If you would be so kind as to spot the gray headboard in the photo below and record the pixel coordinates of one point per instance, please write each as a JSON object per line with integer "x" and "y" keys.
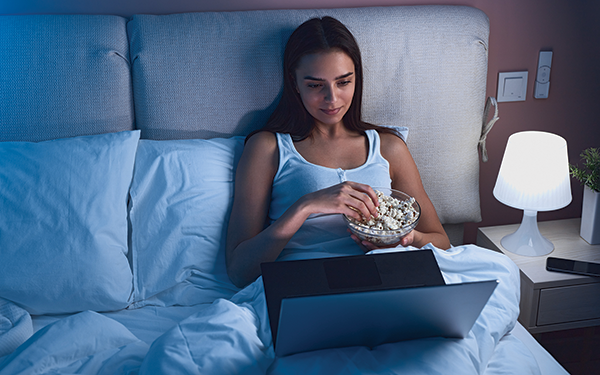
{"x": 203, "y": 75}
{"x": 62, "y": 76}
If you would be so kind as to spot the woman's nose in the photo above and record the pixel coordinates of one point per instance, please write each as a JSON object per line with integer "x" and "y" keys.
{"x": 330, "y": 95}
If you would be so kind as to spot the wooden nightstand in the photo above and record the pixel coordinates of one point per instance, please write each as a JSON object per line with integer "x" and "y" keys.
{"x": 552, "y": 301}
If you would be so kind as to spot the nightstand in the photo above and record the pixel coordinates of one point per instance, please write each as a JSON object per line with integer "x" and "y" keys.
{"x": 552, "y": 301}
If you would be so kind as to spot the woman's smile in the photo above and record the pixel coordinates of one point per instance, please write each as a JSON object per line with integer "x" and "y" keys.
{"x": 331, "y": 112}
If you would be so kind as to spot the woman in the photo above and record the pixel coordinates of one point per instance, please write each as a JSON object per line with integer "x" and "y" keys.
{"x": 316, "y": 157}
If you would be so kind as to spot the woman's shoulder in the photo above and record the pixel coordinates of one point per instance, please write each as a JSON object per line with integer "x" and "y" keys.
{"x": 391, "y": 143}
{"x": 262, "y": 146}
{"x": 262, "y": 140}
{"x": 260, "y": 153}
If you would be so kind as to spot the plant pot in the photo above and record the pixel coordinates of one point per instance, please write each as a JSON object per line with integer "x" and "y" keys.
{"x": 590, "y": 216}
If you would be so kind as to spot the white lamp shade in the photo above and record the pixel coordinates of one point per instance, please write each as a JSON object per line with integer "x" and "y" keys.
{"x": 534, "y": 174}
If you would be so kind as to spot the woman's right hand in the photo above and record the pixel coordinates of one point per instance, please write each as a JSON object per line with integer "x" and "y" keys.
{"x": 353, "y": 199}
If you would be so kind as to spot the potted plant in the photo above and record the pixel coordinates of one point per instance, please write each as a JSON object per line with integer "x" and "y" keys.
{"x": 589, "y": 176}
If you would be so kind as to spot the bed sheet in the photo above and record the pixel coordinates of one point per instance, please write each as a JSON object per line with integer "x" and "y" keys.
{"x": 232, "y": 336}
{"x": 147, "y": 323}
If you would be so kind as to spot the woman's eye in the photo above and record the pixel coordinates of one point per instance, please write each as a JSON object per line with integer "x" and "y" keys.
{"x": 313, "y": 85}
{"x": 344, "y": 83}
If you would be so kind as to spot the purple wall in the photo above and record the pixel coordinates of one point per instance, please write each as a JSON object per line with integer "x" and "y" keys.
{"x": 519, "y": 30}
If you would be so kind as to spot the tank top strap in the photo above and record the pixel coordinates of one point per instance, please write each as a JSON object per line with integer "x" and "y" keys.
{"x": 286, "y": 150}
{"x": 284, "y": 142}
{"x": 374, "y": 147}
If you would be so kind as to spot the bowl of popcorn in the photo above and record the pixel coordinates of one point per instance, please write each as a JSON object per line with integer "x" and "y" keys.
{"x": 398, "y": 214}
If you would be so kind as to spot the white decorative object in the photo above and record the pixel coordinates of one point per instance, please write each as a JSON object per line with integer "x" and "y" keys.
{"x": 534, "y": 176}
{"x": 590, "y": 216}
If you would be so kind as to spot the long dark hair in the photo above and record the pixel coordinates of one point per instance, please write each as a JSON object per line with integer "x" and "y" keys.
{"x": 314, "y": 36}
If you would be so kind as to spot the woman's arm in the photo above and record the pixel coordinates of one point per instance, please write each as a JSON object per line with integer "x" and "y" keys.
{"x": 249, "y": 243}
{"x": 254, "y": 177}
{"x": 405, "y": 177}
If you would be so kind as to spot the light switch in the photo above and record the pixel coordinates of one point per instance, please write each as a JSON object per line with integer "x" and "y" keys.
{"x": 512, "y": 86}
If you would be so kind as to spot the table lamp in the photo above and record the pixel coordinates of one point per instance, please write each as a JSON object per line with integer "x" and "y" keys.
{"x": 533, "y": 177}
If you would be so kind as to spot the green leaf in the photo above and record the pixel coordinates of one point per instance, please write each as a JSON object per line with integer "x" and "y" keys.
{"x": 590, "y": 174}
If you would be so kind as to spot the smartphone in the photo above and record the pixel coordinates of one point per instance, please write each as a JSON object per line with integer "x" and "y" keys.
{"x": 573, "y": 266}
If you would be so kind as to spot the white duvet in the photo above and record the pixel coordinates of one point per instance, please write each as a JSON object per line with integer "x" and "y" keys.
{"x": 233, "y": 337}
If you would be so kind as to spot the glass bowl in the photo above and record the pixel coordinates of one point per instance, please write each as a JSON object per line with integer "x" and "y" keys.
{"x": 386, "y": 236}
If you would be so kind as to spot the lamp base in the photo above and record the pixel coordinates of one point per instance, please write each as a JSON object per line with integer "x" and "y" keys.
{"x": 528, "y": 240}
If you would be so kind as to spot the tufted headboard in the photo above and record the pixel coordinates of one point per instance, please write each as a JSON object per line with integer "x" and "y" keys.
{"x": 218, "y": 74}
{"x": 62, "y": 76}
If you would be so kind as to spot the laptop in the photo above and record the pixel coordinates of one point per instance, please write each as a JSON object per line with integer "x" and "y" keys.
{"x": 367, "y": 300}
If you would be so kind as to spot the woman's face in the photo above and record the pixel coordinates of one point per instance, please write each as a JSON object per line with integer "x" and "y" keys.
{"x": 325, "y": 82}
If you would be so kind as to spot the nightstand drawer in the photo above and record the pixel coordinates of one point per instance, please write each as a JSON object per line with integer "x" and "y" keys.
{"x": 569, "y": 304}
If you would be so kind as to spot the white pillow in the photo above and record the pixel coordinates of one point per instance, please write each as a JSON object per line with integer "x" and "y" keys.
{"x": 63, "y": 223}
{"x": 181, "y": 198}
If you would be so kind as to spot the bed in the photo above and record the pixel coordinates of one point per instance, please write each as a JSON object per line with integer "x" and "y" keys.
{"x": 119, "y": 143}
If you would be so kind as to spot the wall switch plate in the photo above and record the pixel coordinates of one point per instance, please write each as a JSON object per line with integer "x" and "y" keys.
{"x": 512, "y": 87}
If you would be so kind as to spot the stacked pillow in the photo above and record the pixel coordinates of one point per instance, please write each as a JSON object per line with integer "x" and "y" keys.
{"x": 63, "y": 223}
{"x": 181, "y": 198}
{"x": 75, "y": 212}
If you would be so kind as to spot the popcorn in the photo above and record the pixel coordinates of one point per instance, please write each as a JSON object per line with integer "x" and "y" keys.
{"x": 395, "y": 218}
{"x": 393, "y": 214}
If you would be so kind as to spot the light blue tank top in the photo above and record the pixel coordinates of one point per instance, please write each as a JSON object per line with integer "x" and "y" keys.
{"x": 321, "y": 235}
